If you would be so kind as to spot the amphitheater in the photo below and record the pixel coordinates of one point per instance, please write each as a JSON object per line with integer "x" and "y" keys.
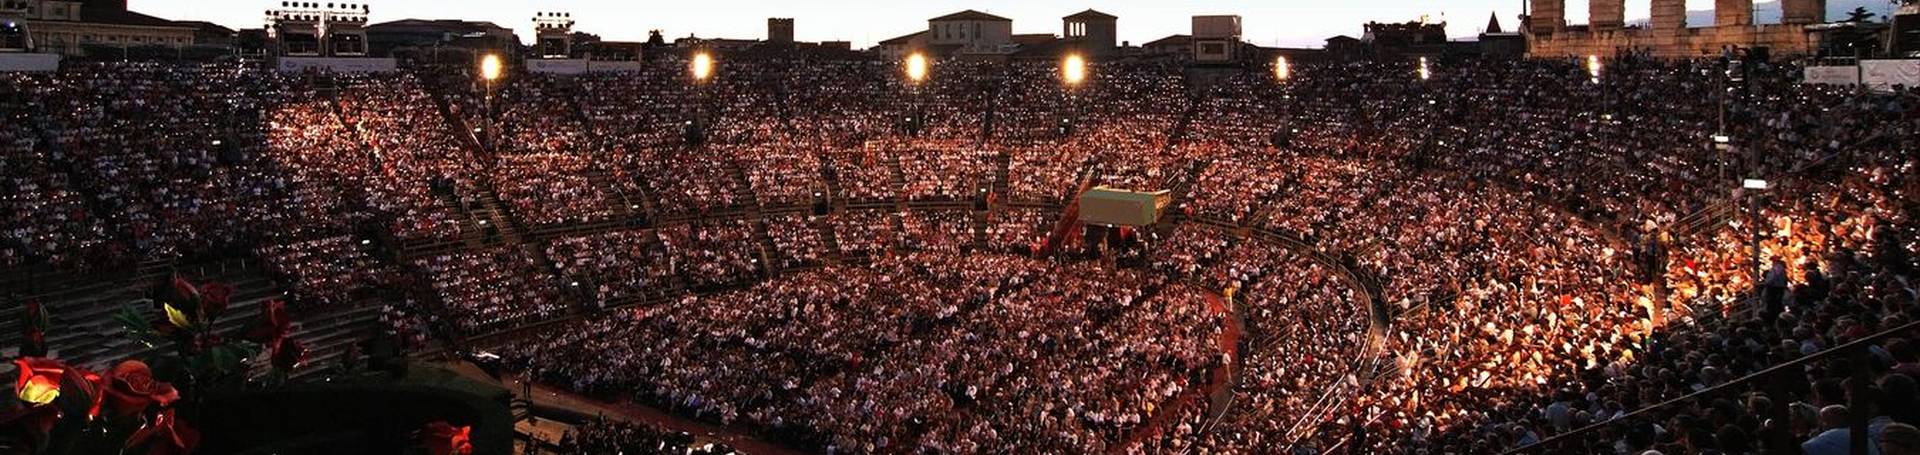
{"x": 797, "y": 255}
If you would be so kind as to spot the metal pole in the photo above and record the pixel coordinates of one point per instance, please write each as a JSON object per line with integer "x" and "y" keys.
{"x": 1720, "y": 87}
{"x": 490, "y": 116}
{"x": 1753, "y": 204}
{"x": 1753, "y": 158}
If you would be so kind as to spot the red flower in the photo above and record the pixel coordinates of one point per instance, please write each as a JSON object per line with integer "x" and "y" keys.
{"x": 131, "y": 388}
{"x": 166, "y": 435}
{"x": 84, "y": 388}
{"x": 39, "y": 380}
{"x": 288, "y": 354}
{"x": 214, "y": 298}
{"x": 445, "y": 439}
{"x": 182, "y": 291}
{"x": 272, "y": 326}
{"x": 48, "y": 390}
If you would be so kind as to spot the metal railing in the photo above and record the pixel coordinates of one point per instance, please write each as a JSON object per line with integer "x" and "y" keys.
{"x": 1579, "y": 436}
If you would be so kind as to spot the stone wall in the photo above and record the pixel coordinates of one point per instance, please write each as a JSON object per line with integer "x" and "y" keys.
{"x": 1668, "y": 34}
{"x": 1782, "y": 39}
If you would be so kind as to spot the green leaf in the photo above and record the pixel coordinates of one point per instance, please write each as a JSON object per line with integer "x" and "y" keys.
{"x": 226, "y": 358}
{"x": 131, "y": 320}
{"x": 137, "y": 326}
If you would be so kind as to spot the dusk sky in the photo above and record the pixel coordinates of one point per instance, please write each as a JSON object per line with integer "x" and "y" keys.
{"x": 1293, "y": 23}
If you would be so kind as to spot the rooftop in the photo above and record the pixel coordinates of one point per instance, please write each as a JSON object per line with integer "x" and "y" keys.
{"x": 970, "y": 15}
{"x": 1091, "y": 15}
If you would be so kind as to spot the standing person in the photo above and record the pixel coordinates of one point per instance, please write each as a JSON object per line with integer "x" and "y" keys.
{"x": 1900, "y": 439}
{"x": 1773, "y": 289}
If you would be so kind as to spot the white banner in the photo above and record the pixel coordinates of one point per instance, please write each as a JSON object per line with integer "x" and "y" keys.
{"x": 579, "y": 66}
{"x": 38, "y": 63}
{"x": 557, "y": 66}
{"x": 615, "y": 66}
{"x": 337, "y": 65}
{"x": 1884, "y": 74}
{"x": 1832, "y": 75}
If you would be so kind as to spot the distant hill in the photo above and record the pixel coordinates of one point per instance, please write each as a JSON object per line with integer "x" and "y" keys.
{"x": 1769, "y": 12}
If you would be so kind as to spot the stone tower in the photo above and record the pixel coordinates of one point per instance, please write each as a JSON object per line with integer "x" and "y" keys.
{"x": 1549, "y": 17}
{"x": 1669, "y": 15}
{"x": 1803, "y": 11}
{"x": 1606, "y": 15}
{"x": 1732, "y": 13}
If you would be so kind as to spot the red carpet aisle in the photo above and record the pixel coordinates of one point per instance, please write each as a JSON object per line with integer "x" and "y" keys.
{"x": 1197, "y": 396}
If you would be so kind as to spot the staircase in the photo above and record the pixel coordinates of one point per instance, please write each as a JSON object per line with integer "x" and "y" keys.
{"x": 829, "y": 240}
{"x": 84, "y": 330}
{"x": 488, "y": 211}
{"x": 738, "y": 174}
{"x": 462, "y": 130}
{"x": 980, "y": 226}
{"x": 763, "y": 239}
{"x": 891, "y": 159}
{"x": 628, "y": 208}
{"x": 1002, "y": 168}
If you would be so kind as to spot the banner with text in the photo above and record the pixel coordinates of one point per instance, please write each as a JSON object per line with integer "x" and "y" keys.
{"x": 579, "y": 66}
{"x": 1832, "y": 75}
{"x": 336, "y": 65}
{"x": 1885, "y": 74}
{"x": 37, "y": 63}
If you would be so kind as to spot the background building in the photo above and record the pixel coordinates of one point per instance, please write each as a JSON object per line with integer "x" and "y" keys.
{"x": 973, "y": 32}
{"x": 421, "y": 37}
{"x": 1667, "y": 34}
{"x": 780, "y": 31}
{"x": 75, "y": 28}
{"x": 1092, "y": 32}
{"x": 1216, "y": 39}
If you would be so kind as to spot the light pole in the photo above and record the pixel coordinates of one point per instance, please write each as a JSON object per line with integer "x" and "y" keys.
{"x": 1073, "y": 71}
{"x": 702, "y": 70}
{"x": 916, "y": 75}
{"x": 489, "y": 72}
{"x": 1754, "y": 187}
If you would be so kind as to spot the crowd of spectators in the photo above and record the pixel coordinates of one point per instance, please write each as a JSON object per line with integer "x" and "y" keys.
{"x": 1499, "y": 253}
{"x": 604, "y": 436}
{"x": 797, "y": 240}
{"x": 490, "y": 290}
{"x": 327, "y": 271}
{"x": 929, "y": 350}
{"x": 615, "y": 266}
{"x": 950, "y": 230}
{"x": 713, "y": 254}
{"x": 866, "y": 233}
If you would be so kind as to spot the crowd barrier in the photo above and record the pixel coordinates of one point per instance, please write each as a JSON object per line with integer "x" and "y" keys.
{"x": 337, "y": 65}
{"x": 1879, "y": 75}
{"x": 579, "y": 66}
{"x": 37, "y": 63}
